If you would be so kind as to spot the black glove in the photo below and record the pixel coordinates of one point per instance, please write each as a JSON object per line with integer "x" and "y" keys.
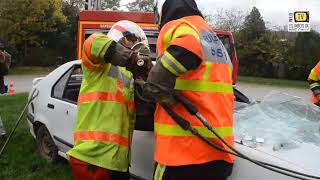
{"x": 154, "y": 92}
{"x": 161, "y": 94}
{"x": 316, "y": 92}
{"x": 118, "y": 55}
{"x": 139, "y": 66}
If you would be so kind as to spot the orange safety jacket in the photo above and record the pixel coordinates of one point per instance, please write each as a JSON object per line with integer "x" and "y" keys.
{"x": 314, "y": 79}
{"x": 105, "y": 119}
{"x": 209, "y": 87}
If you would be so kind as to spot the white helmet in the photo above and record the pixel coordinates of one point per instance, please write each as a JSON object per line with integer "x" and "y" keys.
{"x": 158, "y": 4}
{"x": 126, "y": 28}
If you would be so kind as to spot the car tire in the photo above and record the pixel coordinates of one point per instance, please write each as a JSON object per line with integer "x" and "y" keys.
{"x": 46, "y": 146}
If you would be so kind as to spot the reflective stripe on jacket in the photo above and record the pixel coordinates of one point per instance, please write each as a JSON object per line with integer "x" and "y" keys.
{"x": 209, "y": 87}
{"x": 105, "y": 118}
{"x": 314, "y": 78}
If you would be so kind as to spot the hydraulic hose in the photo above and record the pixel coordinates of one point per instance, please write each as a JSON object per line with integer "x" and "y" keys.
{"x": 186, "y": 126}
{"x": 34, "y": 94}
{"x": 194, "y": 111}
{"x": 139, "y": 95}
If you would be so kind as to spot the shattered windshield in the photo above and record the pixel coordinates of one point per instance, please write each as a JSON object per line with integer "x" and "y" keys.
{"x": 279, "y": 122}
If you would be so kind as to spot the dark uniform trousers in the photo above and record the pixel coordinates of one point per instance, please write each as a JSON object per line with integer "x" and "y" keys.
{"x": 215, "y": 170}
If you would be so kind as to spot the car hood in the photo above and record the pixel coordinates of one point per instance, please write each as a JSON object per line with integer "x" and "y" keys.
{"x": 282, "y": 126}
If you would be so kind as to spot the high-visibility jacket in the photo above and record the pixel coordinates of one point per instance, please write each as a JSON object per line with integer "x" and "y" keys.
{"x": 209, "y": 87}
{"x": 105, "y": 119}
{"x": 314, "y": 79}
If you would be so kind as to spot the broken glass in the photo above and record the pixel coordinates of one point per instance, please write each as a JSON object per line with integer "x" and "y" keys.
{"x": 280, "y": 121}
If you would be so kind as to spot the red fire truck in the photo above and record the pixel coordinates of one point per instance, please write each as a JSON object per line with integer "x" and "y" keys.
{"x": 91, "y": 21}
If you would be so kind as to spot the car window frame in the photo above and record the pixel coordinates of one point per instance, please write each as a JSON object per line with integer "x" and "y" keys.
{"x": 70, "y": 70}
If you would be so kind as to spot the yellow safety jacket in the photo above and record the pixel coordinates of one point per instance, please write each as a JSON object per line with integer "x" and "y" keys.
{"x": 105, "y": 120}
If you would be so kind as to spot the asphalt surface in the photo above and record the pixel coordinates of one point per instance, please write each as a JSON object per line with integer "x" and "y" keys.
{"x": 22, "y": 83}
{"x": 258, "y": 92}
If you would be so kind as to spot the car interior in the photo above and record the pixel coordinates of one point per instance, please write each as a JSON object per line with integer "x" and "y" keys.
{"x": 72, "y": 89}
{"x": 67, "y": 88}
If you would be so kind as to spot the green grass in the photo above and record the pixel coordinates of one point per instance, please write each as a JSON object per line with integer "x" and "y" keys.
{"x": 21, "y": 159}
{"x": 30, "y": 70}
{"x": 273, "y": 82}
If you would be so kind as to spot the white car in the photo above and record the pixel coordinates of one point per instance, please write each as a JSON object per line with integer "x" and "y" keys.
{"x": 52, "y": 114}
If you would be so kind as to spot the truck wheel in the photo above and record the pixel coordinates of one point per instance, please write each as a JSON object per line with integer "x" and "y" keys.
{"x": 46, "y": 146}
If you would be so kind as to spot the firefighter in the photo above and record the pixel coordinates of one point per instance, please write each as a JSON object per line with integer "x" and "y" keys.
{"x": 105, "y": 119}
{"x": 193, "y": 61}
{"x": 314, "y": 81}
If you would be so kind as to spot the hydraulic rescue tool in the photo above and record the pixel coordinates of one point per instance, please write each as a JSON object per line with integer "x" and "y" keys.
{"x": 34, "y": 94}
{"x": 183, "y": 123}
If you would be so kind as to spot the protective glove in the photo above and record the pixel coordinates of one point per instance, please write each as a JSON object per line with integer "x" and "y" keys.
{"x": 139, "y": 65}
{"x": 316, "y": 92}
{"x": 160, "y": 85}
{"x": 118, "y": 55}
{"x": 155, "y": 92}
{"x": 159, "y": 93}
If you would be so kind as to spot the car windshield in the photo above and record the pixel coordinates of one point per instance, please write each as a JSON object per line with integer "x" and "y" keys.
{"x": 279, "y": 120}
{"x": 284, "y": 126}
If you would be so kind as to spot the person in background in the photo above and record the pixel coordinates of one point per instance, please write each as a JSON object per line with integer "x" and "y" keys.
{"x": 5, "y": 61}
{"x": 314, "y": 82}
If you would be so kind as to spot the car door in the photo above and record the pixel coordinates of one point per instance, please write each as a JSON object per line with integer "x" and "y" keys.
{"x": 62, "y": 107}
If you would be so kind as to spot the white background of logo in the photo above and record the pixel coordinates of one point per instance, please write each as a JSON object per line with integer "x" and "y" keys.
{"x": 294, "y": 26}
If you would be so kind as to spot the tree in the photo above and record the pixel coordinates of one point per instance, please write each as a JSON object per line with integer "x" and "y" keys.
{"x": 141, "y": 5}
{"x": 66, "y": 36}
{"x": 229, "y": 20}
{"x": 254, "y": 46}
{"x": 254, "y": 26}
{"x": 75, "y": 3}
{"x": 105, "y": 4}
{"x": 208, "y": 17}
{"x": 304, "y": 55}
{"x": 23, "y": 22}
{"x": 110, "y": 4}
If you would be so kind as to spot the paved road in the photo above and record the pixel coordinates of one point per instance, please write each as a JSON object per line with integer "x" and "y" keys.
{"x": 22, "y": 83}
{"x": 257, "y": 92}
